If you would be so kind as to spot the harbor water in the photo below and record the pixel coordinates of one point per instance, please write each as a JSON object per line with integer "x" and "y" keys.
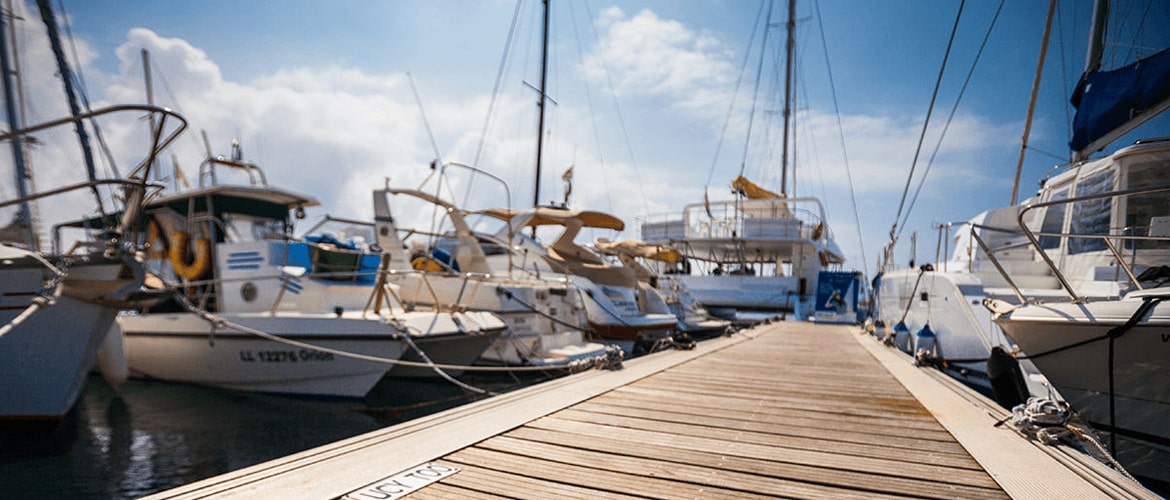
{"x": 152, "y": 436}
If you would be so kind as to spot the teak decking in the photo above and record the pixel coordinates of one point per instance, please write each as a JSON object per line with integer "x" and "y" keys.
{"x": 782, "y": 410}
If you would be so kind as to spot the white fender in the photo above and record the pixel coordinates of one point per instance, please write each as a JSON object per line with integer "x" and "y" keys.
{"x": 111, "y": 358}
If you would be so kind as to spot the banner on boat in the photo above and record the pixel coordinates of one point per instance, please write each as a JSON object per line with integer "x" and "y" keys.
{"x": 836, "y": 299}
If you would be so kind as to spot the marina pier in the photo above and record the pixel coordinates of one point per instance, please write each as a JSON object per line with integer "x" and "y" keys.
{"x": 786, "y": 409}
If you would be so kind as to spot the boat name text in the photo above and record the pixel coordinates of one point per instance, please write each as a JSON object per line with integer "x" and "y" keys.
{"x": 303, "y": 355}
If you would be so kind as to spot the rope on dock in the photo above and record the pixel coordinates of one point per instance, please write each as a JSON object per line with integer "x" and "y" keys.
{"x": 1050, "y": 422}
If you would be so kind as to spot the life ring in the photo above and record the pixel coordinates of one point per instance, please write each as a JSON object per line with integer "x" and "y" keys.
{"x": 185, "y": 267}
{"x": 156, "y": 243}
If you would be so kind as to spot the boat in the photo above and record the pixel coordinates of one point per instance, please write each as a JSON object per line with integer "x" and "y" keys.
{"x": 545, "y": 314}
{"x": 1079, "y": 268}
{"x": 621, "y": 310}
{"x": 934, "y": 312}
{"x": 760, "y": 254}
{"x": 56, "y": 306}
{"x": 244, "y": 305}
{"x": 1104, "y": 353}
{"x": 658, "y": 266}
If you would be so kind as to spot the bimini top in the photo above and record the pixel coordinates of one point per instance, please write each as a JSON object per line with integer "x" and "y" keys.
{"x": 638, "y": 248}
{"x": 549, "y": 216}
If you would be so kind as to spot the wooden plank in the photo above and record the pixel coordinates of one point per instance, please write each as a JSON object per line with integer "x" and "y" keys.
{"x": 584, "y": 431}
{"x": 333, "y": 470}
{"x": 494, "y": 483}
{"x": 780, "y": 434}
{"x": 1013, "y": 462}
{"x": 780, "y": 478}
{"x": 811, "y": 427}
{"x": 603, "y": 479}
{"x": 902, "y": 428}
{"x": 828, "y": 407}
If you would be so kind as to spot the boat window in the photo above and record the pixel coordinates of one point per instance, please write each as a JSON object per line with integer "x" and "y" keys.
{"x": 1053, "y": 221}
{"x": 1143, "y": 209}
{"x": 241, "y": 228}
{"x": 1091, "y": 216}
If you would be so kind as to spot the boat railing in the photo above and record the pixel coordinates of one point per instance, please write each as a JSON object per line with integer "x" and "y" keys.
{"x": 166, "y": 126}
{"x": 784, "y": 218}
{"x": 1107, "y": 239}
{"x": 976, "y": 231}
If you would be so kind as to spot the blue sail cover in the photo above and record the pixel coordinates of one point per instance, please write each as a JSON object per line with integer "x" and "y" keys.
{"x": 1106, "y": 100}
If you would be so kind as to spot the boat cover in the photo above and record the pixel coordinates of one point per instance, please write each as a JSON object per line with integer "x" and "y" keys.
{"x": 1107, "y": 100}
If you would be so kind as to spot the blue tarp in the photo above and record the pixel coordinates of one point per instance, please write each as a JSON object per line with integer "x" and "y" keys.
{"x": 1106, "y": 100}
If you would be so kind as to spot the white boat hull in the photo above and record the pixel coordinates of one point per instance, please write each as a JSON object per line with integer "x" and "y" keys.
{"x": 1141, "y": 363}
{"x": 182, "y": 347}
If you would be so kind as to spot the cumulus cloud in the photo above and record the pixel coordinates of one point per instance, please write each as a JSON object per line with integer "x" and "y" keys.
{"x": 645, "y": 55}
{"x": 336, "y": 132}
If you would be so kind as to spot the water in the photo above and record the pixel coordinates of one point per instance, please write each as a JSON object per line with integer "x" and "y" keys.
{"x": 156, "y": 435}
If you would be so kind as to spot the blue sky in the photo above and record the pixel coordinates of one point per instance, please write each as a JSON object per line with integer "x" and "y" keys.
{"x": 318, "y": 93}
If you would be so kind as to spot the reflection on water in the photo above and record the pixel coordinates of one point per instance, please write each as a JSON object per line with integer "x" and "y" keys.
{"x": 156, "y": 435}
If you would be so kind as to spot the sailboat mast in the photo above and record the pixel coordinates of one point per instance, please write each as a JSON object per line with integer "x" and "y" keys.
{"x": 67, "y": 80}
{"x": 25, "y": 215}
{"x": 543, "y": 101}
{"x": 1032, "y": 99}
{"x": 1097, "y": 36}
{"x": 789, "y": 48}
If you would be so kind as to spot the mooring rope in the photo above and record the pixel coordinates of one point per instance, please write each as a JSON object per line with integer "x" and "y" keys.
{"x": 45, "y": 297}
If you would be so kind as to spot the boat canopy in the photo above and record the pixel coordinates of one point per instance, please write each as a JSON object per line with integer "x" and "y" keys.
{"x": 638, "y": 248}
{"x": 752, "y": 190}
{"x": 1107, "y": 101}
{"x": 549, "y": 216}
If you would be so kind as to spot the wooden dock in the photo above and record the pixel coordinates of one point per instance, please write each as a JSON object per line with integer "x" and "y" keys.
{"x": 789, "y": 409}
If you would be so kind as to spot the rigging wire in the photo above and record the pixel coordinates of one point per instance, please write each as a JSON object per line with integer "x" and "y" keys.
{"x": 621, "y": 119}
{"x": 895, "y": 230}
{"x": 841, "y": 136}
{"x": 734, "y": 94}
{"x": 756, "y": 89}
{"x": 593, "y": 115}
{"x": 955, "y": 108}
{"x": 487, "y": 119}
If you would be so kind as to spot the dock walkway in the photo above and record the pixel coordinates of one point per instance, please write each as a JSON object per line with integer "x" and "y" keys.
{"x": 783, "y": 410}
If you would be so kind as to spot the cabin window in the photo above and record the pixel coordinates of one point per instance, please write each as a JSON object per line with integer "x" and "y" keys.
{"x": 240, "y": 228}
{"x": 1053, "y": 221}
{"x": 1142, "y": 209}
{"x": 1091, "y": 216}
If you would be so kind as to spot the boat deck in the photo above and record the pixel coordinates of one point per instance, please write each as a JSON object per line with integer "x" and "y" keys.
{"x": 781, "y": 410}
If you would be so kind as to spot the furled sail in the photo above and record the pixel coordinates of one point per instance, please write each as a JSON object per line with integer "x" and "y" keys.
{"x": 750, "y": 189}
{"x": 1110, "y": 103}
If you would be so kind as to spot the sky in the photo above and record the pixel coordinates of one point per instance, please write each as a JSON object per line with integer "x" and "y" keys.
{"x": 651, "y": 100}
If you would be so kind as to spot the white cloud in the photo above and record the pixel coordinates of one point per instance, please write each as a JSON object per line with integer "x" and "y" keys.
{"x": 646, "y": 55}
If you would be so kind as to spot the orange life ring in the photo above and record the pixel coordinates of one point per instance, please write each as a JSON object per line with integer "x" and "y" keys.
{"x": 185, "y": 267}
{"x": 156, "y": 244}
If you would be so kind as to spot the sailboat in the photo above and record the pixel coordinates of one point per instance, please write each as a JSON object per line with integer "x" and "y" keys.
{"x": 657, "y": 266}
{"x": 761, "y": 254}
{"x": 1102, "y": 227}
{"x": 621, "y": 310}
{"x": 55, "y": 307}
{"x": 467, "y": 270}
